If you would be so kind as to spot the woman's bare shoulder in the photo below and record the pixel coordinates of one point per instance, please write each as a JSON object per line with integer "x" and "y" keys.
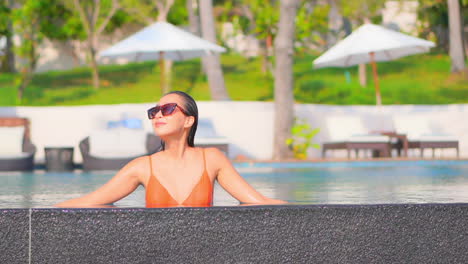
{"x": 139, "y": 165}
{"x": 140, "y": 161}
{"x": 214, "y": 153}
{"x": 216, "y": 156}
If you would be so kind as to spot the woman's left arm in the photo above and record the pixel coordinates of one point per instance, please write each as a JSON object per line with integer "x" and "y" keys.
{"x": 233, "y": 183}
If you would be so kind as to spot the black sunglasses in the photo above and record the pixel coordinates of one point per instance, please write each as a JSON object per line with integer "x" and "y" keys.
{"x": 166, "y": 110}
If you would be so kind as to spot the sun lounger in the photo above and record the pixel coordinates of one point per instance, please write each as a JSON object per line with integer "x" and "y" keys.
{"x": 349, "y": 133}
{"x": 16, "y": 151}
{"x": 112, "y": 149}
{"x": 207, "y": 136}
{"x": 424, "y": 133}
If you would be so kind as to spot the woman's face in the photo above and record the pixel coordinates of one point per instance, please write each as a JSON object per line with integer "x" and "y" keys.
{"x": 175, "y": 123}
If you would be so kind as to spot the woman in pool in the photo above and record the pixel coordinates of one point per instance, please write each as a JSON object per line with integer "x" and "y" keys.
{"x": 179, "y": 175}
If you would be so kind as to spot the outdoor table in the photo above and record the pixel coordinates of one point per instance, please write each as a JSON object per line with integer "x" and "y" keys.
{"x": 401, "y": 137}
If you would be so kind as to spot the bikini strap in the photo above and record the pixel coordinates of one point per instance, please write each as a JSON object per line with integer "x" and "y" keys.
{"x": 151, "y": 166}
{"x": 204, "y": 160}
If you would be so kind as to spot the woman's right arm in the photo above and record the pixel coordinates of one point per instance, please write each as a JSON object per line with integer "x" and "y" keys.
{"x": 121, "y": 185}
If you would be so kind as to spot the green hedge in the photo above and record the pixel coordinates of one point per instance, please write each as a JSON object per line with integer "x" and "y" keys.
{"x": 419, "y": 79}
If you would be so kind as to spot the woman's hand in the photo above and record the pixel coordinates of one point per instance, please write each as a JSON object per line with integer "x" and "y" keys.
{"x": 234, "y": 184}
{"x": 266, "y": 202}
{"x": 121, "y": 185}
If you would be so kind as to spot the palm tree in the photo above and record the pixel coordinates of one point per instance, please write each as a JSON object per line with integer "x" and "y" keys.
{"x": 456, "y": 42}
{"x": 8, "y": 64}
{"x": 194, "y": 20}
{"x": 145, "y": 12}
{"x": 94, "y": 20}
{"x": 212, "y": 63}
{"x": 284, "y": 97}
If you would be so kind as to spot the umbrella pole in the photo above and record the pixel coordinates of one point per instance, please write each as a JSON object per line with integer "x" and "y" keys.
{"x": 376, "y": 79}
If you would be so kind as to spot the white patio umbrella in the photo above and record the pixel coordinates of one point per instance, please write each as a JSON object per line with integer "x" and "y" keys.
{"x": 371, "y": 43}
{"x": 160, "y": 41}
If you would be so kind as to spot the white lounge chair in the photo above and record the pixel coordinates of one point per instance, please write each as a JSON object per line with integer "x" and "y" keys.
{"x": 112, "y": 149}
{"x": 207, "y": 136}
{"x": 349, "y": 133}
{"x": 16, "y": 149}
{"x": 422, "y": 133}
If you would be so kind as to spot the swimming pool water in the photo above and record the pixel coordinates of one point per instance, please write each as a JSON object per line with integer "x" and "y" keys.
{"x": 301, "y": 183}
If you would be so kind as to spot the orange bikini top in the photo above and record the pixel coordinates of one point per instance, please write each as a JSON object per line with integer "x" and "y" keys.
{"x": 158, "y": 196}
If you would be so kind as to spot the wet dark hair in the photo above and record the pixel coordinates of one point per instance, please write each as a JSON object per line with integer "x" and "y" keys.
{"x": 191, "y": 109}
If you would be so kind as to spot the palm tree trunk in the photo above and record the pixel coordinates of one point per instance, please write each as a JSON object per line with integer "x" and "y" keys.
{"x": 264, "y": 52}
{"x": 89, "y": 13}
{"x": 9, "y": 62}
{"x": 212, "y": 62}
{"x": 457, "y": 55}
{"x": 26, "y": 77}
{"x": 194, "y": 20}
{"x": 94, "y": 67}
{"x": 26, "y": 74}
{"x": 27, "y": 70}
{"x": 284, "y": 82}
{"x": 335, "y": 23}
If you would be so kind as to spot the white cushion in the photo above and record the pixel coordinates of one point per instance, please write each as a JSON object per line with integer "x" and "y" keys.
{"x": 206, "y": 133}
{"x": 15, "y": 156}
{"x": 419, "y": 128}
{"x": 340, "y": 128}
{"x": 368, "y": 138}
{"x": 413, "y": 126}
{"x": 438, "y": 138}
{"x": 11, "y": 140}
{"x": 117, "y": 143}
{"x": 205, "y": 129}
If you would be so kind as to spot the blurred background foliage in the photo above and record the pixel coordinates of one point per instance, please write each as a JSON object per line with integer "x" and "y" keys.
{"x": 420, "y": 79}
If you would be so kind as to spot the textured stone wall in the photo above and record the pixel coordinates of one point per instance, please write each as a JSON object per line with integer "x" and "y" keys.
{"x": 430, "y": 233}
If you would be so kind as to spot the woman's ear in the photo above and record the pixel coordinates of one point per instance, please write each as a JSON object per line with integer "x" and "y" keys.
{"x": 189, "y": 121}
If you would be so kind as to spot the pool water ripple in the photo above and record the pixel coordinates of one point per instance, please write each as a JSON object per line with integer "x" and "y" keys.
{"x": 300, "y": 183}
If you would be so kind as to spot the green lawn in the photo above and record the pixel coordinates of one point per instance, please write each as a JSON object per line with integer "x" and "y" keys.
{"x": 419, "y": 79}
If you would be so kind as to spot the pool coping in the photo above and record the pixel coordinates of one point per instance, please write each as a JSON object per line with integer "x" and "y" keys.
{"x": 384, "y": 233}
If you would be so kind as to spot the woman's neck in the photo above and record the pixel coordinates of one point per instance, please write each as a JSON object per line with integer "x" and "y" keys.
{"x": 175, "y": 148}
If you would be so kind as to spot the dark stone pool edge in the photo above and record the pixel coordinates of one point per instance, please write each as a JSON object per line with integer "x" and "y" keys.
{"x": 403, "y": 233}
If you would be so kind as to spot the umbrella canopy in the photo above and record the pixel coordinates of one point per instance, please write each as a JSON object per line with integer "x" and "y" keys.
{"x": 385, "y": 43}
{"x": 371, "y": 43}
{"x": 175, "y": 43}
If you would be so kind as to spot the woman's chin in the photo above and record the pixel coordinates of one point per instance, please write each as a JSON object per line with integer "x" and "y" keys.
{"x": 164, "y": 134}
{"x": 160, "y": 132}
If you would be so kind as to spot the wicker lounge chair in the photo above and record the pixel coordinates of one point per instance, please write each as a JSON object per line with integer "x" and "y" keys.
{"x": 92, "y": 162}
{"x": 23, "y": 160}
{"x": 348, "y": 133}
{"x": 423, "y": 133}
